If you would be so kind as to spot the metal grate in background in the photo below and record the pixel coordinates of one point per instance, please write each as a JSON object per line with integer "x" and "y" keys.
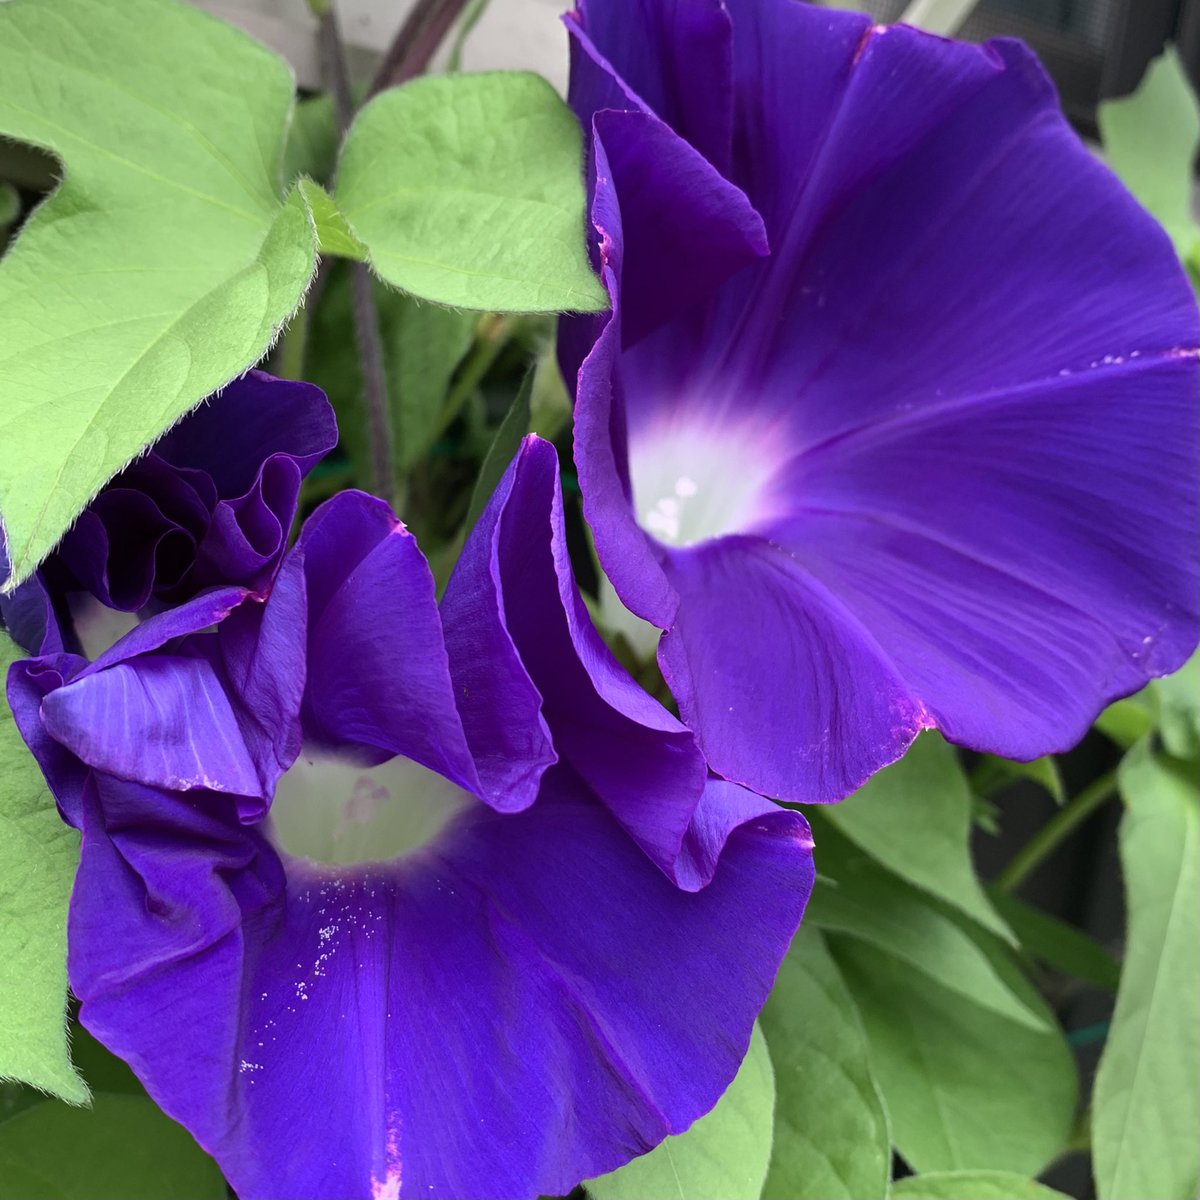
{"x": 1094, "y": 49}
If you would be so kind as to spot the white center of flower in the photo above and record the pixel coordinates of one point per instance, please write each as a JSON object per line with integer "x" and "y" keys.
{"x": 334, "y": 811}
{"x": 97, "y": 627}
{"x": 692, "y": 484}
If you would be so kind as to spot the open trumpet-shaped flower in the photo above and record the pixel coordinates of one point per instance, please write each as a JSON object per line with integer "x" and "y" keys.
{"x": 893, "y": 423}
{"x": 382, "y": 901}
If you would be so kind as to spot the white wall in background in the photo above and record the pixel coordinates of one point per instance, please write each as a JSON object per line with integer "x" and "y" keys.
{"x": 512, "y": 34}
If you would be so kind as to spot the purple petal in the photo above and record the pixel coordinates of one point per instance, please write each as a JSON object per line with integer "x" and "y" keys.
{"x": 499, "y": 704}
{"x": 673, "y": 201}
{"x": 213, "y": 712}
{"x": 233, "y": 433}
{"x": 530, "y": 1004}
{"x": 791, "y": 693}
{"x": 675, "y": 56}
{"x": 27, "y": 613}
{"x": 161, "y": 719}
{"x": 28, "y": 683}
{"x": 123, "y": 543}
{"x": 211, "y": 504}
{"x": 636, "y": 757}
{"x": 1014, "y": 610}
{"x": 164, "y": 721}
{"x": 378, "y": 673}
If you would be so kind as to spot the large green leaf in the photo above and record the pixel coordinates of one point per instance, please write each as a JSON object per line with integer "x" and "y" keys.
{"x": 972, "y": 1185}
{"x": 123, "y": 1148}
{"x": 164, "y": 263}
{"x": 724, "y": 1156}
{"x": 855, "y": 896}
{"x": 1147, "y": 1098}
{"x": 1127, "y": 721}
{"x": 831, "y": 1132}
{"x": 1176, "y": 700}
{"x": 468, "y": 190}
{"x": 1053, "y": 942}
{"x": 915, "y": 818}
{"x": 965, "y": 1088}
{"x": 38, "y": 854}
{"x": 1150, "y": 139}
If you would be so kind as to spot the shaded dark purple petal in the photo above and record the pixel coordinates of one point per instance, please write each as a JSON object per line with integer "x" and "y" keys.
{"x": 249, "y": 421}
{"x": 792, "y": 64}
{"x": 498, "y": 702}
{"x": 28, "y": 683}
{"x": 27, "y": 614}
{"x": 123, "y": 544}
{"x": 530, "y": 1004}
{"x": 675, "y": 56}
{"x": 684, "y": 228}
{"x": 247, "y": 534}
{"x": 211, "y": 504}
{"x": 954, "y": 411}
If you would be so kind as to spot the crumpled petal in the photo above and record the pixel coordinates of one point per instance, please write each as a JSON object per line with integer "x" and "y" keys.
{"x": 210, "y": 504}
{"x": 632, "y": 753}
{"x": 27, "y": 613}
{"x": 966, "y": 376}
{"x": 168, "y": 710}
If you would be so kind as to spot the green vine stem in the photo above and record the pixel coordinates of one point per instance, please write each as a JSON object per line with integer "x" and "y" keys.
{"x": 366, "y": 316}
{"x": 1056, "y": 830}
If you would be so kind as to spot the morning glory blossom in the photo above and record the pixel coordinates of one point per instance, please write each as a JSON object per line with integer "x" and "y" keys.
{"x": 893, "y": 424}
{"x": 382, "y": 900}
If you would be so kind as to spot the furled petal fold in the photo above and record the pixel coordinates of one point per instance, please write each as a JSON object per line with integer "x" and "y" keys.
{"x": 632, "y": 753}
{"x": 211, "y": 502}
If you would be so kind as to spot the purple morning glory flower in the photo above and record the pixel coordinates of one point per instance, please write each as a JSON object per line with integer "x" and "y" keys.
{"x": 893, "y": 424}
{"x": 383, "y": 901}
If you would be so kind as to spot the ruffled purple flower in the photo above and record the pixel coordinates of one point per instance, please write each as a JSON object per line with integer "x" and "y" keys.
{"x": 211, "y": 503}
{"x": 382, "y": 901}
{"x": 893, "y": 424}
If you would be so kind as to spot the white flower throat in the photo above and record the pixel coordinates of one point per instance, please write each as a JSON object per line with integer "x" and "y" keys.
{"x": 692, "y": 484}
{"x": 332, "y": 810}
